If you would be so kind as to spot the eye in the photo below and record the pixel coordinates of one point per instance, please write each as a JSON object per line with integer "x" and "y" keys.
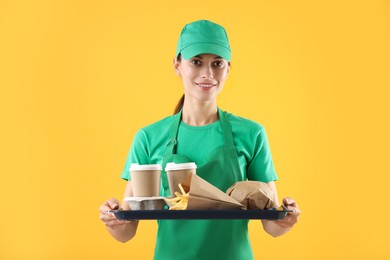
{"x": 195, "y": 61}
{"x": 219, "y": 64}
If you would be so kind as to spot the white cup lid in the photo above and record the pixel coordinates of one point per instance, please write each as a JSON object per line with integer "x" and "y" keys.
{"x": 145, "y": 167}
{"x": 180, "y": 166}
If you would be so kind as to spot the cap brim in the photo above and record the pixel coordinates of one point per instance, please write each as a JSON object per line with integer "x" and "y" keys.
{"x": 202, "y": 48}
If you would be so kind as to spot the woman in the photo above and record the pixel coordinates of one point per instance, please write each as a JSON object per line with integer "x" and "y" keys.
{"x": 225, "y": 147}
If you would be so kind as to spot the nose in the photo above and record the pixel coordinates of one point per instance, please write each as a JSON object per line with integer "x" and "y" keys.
{"x": 207, "y": 72}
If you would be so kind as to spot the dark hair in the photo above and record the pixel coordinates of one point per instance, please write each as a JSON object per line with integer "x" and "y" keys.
{"x": 180, "y": 104}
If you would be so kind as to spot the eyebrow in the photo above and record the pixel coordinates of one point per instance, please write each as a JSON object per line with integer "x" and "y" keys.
{"x": 215, "y": 58}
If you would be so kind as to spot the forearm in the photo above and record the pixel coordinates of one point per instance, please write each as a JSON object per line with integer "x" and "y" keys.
{"x": 124, "y": 232}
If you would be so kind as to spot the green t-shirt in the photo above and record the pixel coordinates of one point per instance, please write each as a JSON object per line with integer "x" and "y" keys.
{"x": 196, "y": 142}
{"x": 207, "y": 239}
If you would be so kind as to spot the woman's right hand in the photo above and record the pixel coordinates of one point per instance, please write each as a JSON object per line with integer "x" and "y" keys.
{"x": 121, "y": 230}
{"x": 109, "y": 218}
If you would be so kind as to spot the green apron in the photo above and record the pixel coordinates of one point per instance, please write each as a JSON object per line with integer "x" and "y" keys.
{"x": 204, "y": 239}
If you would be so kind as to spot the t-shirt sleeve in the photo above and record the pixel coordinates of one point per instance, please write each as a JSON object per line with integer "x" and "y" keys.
{"x": 138, "y": 153}
{"x": 261, "y": 167}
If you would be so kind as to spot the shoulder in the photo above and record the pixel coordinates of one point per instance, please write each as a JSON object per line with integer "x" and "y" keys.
{"x": 158, "y": 128}
{"x": 239, "y": 124}
{"x": 160, "y": 124}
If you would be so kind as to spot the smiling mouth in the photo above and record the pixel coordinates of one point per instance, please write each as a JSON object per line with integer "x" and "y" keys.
{"x": 205, "y": 85}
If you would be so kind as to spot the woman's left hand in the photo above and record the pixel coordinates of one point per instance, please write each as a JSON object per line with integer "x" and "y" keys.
{"x": 292, "y": 217}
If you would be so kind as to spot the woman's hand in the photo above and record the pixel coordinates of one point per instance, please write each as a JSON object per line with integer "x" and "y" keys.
{"x": 121, "y": 230}
{"x": 109, "y": 218}
{"x": 279, "y": 227}
{"x": 292, "y": 217}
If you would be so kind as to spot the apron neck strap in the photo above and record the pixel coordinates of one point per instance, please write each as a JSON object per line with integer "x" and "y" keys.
{"x": 172, "y": 141}
{"x": 226, "y": 128}
{"x": 225, "y": 125}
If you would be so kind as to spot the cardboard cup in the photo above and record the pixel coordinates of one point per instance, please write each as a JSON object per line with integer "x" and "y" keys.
{"x": 145, "y": 180}
{"x": 177, "y": 173}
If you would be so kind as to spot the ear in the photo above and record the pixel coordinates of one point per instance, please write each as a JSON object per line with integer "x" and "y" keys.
{"x": 176, "y": 66}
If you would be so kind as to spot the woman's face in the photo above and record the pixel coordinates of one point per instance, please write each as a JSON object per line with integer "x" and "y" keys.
{"x": 203, "y": 76}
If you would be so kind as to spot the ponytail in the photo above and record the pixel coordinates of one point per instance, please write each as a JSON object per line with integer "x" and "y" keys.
{"x": 179, "y": 105}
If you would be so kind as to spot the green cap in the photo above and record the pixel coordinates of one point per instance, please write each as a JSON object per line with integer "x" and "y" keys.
{"x": 203, "y": 37}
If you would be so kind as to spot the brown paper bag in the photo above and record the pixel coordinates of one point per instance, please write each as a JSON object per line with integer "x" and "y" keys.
{"x": 203, "y": 195}
{"x": 252, "y": 194}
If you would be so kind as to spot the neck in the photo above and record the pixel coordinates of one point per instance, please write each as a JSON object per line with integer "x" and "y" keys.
{"x": 198, "y": 113}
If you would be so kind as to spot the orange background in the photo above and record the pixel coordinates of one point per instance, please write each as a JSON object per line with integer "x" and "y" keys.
{"x": 79, "y": 78}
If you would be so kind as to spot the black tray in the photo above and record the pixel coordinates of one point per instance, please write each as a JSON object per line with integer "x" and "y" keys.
{"x": 200, "y": 214}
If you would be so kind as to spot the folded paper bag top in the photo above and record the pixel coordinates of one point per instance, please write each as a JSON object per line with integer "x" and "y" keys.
{"x": 203, "y": 195}
{"x": 252, "y": 194}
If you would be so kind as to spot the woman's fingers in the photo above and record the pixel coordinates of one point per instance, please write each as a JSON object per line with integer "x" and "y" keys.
{"x": 292, "y": 217}
{"x": 107, "y": 217}
{"x": 113, "y": 203}
{"x": 290, "y": 202}
{"x": 287, "y": 222}
{"x": 110, "y": 204}
{"x": 115, "y": 222}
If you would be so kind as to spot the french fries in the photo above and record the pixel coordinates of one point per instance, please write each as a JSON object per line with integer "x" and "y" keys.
{"x": 180, "y": 202}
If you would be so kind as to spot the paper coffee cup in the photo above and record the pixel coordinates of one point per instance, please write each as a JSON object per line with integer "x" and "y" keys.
{"x": 145, "y": 179}
{"x": 177, "y": 173}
